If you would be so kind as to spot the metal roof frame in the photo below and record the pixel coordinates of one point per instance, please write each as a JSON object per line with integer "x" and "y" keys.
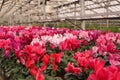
{"x": 63, "y": 9}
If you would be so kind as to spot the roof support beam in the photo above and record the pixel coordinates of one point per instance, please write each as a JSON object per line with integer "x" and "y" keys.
{"x": 21, "y": 5}
{"x": 107, "y": 11}
{"x": 8, "y": 9}
{"x": 82, "y": 3}
{"x": 44, "y": 11}
{"x": 2, "y": 4}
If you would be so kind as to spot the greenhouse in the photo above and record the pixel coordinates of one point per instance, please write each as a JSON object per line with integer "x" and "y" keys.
{"x": 59, "y": 39}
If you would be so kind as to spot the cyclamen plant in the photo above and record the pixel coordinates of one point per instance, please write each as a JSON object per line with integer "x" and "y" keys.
{"x": 43, "y": 53}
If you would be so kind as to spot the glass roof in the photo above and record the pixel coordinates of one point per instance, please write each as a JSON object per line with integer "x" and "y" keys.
{"x": 37, "y": 10}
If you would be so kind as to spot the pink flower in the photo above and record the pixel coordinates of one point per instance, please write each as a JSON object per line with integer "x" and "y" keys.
{"x": 114, "y": 62}
{"x": 101, "y": 40}
{"x": 114, "y": 59}
{"x": 94, "y": 34}
{"x": 118, "y": 41}
{"x": 84, "y": 35}
{"x": 111, "y": 36}
{"x": 95, "y": 49}
{"x": 22, "y": 60}
{"x": 37, "y": 42}
{"x": 7, "y": 53}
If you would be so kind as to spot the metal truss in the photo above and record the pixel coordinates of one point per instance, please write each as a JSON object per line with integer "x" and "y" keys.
{"x": 15, "y": 11}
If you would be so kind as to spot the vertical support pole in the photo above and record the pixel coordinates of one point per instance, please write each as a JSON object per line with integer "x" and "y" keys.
{"x": 13, "y": 19}
{"x": 44, "y": 12}
{"x": 29, "y": 20}
{"x": 21, "y": 16}
{"x": 107, "y": 10}
{"x": 39, "y": 8}
{"x": 10, "y": 21}
{"x": 57, "y": 13}
{"x": 75, "y": 10}
{"x": 57, "y": 24}
{"x": 20, "y": 20}
{"x": 82, "y": 3}
{"x": 75, "y": 13}
{"x": 39, "y": 3}
{"x": 107, "y": 23}
{"x": 57, "y": 17}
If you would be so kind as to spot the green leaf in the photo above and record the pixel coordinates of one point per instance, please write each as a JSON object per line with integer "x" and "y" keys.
{"x": 53, "y": 73}
{"x": 70, "y": 76}
{"x": 58, "y": 78}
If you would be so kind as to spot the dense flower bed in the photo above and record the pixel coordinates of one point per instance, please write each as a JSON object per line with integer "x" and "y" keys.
{"x": 59, "y": 54}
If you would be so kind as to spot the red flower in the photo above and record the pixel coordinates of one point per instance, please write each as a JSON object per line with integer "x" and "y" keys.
{"x": 92, "y": 77}
{"x": 96, "y": 65}
{"x": 70, "y": 44}
{"x": 37, "y": 49}
{"x": 111, "y": 47}
{"x": 52, "y": 46}
{"x": 106, "y": 73}
{"x": 56, "y": 59}
{"x": 46, "y": 61}
{"x": 84, "y": 42}
{"x": 102, "y": 74}
{"x": 39, "y": 75}
{"x": 72, "y": 69}
{"x": 33, "y": 70}
{"x": 6, "y": 46}
{"x": 86, "y": 54}
{"x": 33, "y": 52}
{"x": 83, "y": 58}
{"x": 54, "y": 66}
{"x": 29, "y": 63}
{"x": 116, "y": 75}
{"x": 115, "y": 72}
{"x": 18, "y": 54}
{"x": 44, "y": 66}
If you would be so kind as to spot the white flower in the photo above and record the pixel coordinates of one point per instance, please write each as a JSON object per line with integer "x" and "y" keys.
{"x": 36, "y": 40}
